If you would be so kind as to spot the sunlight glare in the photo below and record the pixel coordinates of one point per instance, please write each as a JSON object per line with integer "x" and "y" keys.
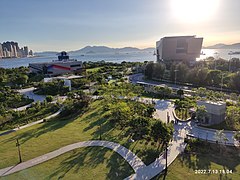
{"x": 194, "y": 11}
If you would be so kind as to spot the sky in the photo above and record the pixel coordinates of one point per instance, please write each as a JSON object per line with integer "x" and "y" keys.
{"x": 46, "y": 25}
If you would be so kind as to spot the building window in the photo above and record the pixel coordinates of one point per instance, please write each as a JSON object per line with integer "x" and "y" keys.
{"x": 182, "y": 46}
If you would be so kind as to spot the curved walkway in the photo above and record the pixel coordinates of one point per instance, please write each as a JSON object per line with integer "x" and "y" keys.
{"x": 28, "y": 92}
{"x": 129, "y": 156}
{"x": 176, "y": 147}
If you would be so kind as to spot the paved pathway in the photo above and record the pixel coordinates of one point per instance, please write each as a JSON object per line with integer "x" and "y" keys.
{"x": 176, "y": 147}
{"x": 163, "y": 109}
{"x": 29, "y": 93}
{"x": 31, "y": 124}
{"x": 209, "y": 135}
{"x": 130, "y": 157}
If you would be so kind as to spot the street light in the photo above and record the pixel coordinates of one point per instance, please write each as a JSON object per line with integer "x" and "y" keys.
{"x": 175, "y": 71}
{"x": 100, "y": 133}
{"x": 166, "y": 150}
{"x": 216, "y": 56}
{"x": 229, "y": 67}
{"x": 221, "y": 82}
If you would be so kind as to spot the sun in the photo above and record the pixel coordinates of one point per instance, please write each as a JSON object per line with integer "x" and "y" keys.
{"x": 194, "y": 11}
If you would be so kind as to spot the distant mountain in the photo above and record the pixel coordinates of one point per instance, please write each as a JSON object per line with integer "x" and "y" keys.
{"x": 105, "y": 49}
{"x": 98, "y": 50}
{"x": 46, "y": 53}
{"x": 224, "y": 46}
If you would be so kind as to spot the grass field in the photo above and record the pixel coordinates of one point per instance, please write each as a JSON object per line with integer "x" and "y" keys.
{"x": 84, "y": 163}
{"x": 49, "y": 136}
{"x": 93, "y": 69}
{"x": 206, "y": 157}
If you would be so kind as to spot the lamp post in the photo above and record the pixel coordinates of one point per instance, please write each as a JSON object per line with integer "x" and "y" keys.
{"x": 19, "y": 152}
{"x": 100, "y": 132}
{"x": 221, "y": 82}
{"x": 216, "y": 56}
{"x": 229, "y": 66}
{"x": 166, "y": 150}
{"x": 175, "y": 72}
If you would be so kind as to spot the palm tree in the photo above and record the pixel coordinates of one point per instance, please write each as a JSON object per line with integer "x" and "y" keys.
{"x": 237, "y": 136}
{"x": 219, "y": 136}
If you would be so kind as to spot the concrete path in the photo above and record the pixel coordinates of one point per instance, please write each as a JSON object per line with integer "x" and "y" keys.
{"x": 130, "y": 157}
{"x": 209, "y": 135}
{"x": 163, "y": 109}
{"x": 176, "y": 147}
{"x": 32, "y": 123}
{"x": 28, "y": 92}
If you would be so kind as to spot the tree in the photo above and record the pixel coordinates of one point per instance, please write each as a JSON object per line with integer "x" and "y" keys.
{"x": 49, "y": 98}
{"x": 237, "y": 136}
{"x": 220, "y": 136}
{"x": 140, "y": 126}
{"x": 163, "y": 91}
{"x": 120, "y": 113}
{"x": 234, "y": 82}
{"x": 161, "y": 132}
{"x": 158, "y": 70}
{"x": 201, "y": 76}
{"x": 149, "y": 70}
{"x": 180, "y": 92}
{"x": 214, "y": 78}
{"x": 180, "y": 71}
{"x": 201, "y": 114}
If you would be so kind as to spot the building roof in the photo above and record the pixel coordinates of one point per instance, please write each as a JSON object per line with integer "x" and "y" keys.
{"x": 192, "y": 36}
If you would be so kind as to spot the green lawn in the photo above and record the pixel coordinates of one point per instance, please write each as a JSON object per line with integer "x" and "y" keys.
{"x": 93, "y": 69}
{"x": 49, "y": 136}
{"x": 205, "y": 157}
{"x": 82, "y": 163}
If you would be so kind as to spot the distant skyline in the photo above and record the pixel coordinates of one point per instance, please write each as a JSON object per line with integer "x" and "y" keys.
{"x": 54, "y": 25}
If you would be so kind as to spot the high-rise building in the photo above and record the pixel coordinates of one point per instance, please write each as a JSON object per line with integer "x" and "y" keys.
{"x": 25, "y": 50}
{"x": 6, "y": 53}
{"x": 30, "y": 53}
{"x": 15, "y": 54}
{"x": 179, "y": 48}
{"x": 1, "y": 51}
{"x": 11, "y": 49}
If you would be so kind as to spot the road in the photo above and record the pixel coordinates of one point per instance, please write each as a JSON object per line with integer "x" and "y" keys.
{"x": 135, "y": 78}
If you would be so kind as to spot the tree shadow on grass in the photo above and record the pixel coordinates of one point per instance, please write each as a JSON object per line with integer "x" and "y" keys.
{"x": 148, "y": 155}
{"x": 92, "y": 157}
{"x": 89, "y": 157}
{"x": 49, "y": 126}
{"x": 118, "y": 167}
{"x": 207, "y": 153}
